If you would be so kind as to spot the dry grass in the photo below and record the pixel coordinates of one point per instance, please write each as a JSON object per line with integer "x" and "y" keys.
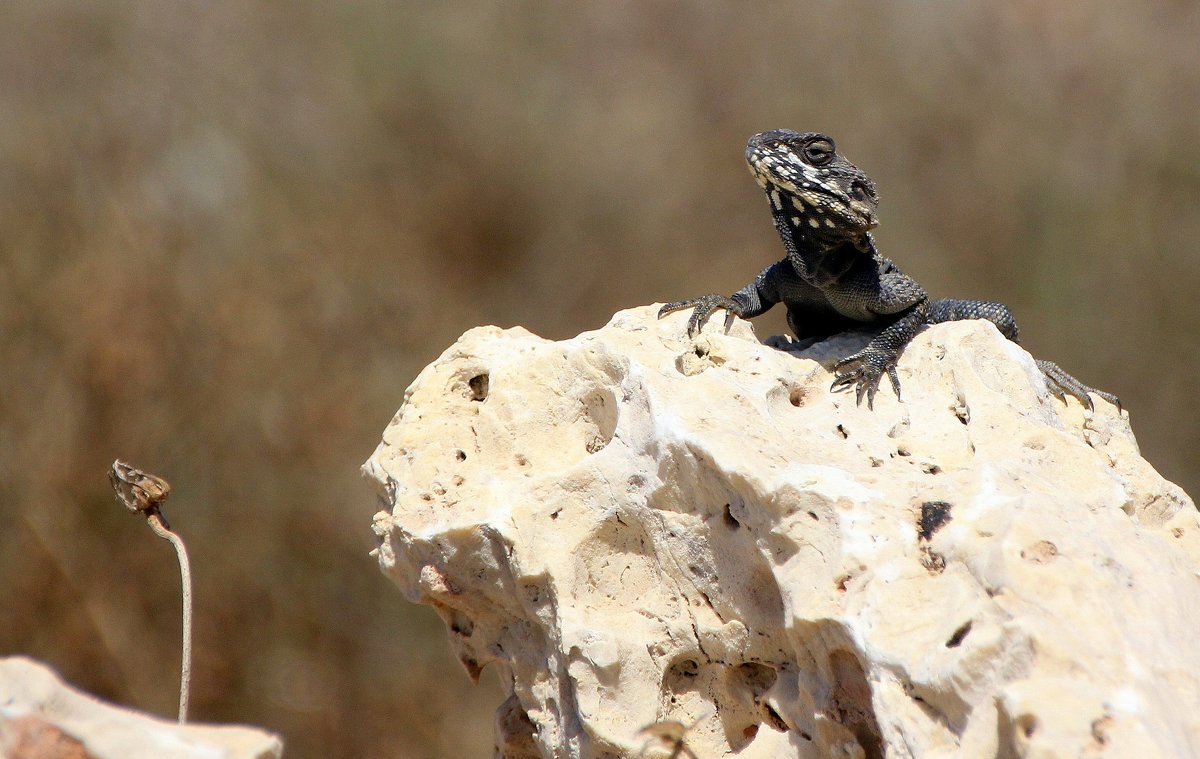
{"x": 233, "y": 233}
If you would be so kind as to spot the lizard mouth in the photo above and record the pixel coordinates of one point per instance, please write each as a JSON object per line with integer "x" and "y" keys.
{"x": 862, "y": 201}
{"x": 864, "y": 215}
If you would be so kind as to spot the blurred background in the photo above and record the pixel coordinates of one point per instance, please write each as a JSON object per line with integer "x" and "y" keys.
{"x": 232, "y": 233}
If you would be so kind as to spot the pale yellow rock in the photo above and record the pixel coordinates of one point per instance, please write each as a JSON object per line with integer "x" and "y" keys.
{"x": 38, "y": 711}
{"x": 640, "y": 530}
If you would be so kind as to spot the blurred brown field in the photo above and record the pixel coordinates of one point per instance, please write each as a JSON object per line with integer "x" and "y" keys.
{"x": 232, "y": 233}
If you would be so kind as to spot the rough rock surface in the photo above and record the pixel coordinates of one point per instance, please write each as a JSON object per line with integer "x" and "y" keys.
{"x": 642, "y": 530}
{"x": 43, "y": 718}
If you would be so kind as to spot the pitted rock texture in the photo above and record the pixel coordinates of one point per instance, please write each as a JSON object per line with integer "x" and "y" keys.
{"x": 697, "y": 537}
{"x": 41, "y": 717}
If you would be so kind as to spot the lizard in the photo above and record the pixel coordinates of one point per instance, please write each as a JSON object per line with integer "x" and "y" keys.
{"x": 833, "y": 277}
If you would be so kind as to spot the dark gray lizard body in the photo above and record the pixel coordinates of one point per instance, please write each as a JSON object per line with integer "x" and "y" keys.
{"x": 833, "y": 278}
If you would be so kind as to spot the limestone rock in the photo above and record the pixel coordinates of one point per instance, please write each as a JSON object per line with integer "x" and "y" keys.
{"x": 697, "y": 540}
{"x": 43, "y": 718}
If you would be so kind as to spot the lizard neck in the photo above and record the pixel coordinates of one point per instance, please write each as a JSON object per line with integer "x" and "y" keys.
{"x": 818, "y": 257}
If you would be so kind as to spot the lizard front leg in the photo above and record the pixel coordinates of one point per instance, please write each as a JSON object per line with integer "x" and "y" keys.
{"x": 752, "y": 300}
{"x": 880, "y": 357}
{"x": 704, "y": 306}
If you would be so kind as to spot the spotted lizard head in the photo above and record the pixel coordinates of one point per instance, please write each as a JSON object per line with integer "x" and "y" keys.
{"x": 812, "y": 185}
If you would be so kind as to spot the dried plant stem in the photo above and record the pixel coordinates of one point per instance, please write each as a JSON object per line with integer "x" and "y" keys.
{"x": 143, "y": 493}
{"x": 156, "y": 522}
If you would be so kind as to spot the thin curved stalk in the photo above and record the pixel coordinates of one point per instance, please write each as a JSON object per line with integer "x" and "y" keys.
{"x": 185, "y": 574}
{"x": 143, "y": 493}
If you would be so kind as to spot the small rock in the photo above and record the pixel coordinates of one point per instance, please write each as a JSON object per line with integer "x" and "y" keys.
{"x": 41, "y": 717}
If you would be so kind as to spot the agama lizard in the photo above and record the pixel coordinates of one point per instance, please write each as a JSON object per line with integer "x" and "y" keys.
{"x": 833, "y": 278}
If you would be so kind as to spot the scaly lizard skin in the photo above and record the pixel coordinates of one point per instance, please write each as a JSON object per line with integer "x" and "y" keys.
{"x": 834, "y": 279}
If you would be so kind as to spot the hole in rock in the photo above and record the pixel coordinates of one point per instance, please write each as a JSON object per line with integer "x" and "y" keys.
{"x": 757, "y": 678}
{"x": 514, "y": 730}
{"x": 460, "y": 624}
{"x": 474, "y": 670}
{"x": 686, "y": 668}
{"x": 1040, "y": 552}
{"x": 842, "y": 431}
{"x": 600, "y": 412}
{"x": 934, "y": 515}
{"x": 932, "y": 560}
{"x": 851, "y": 702}
{"x": 533, "y": 592}
{"x": 479, "y": 387}
{"x": 774, "y": 719}
{"x": 730, "y": 520}
{"x": 959, "y": 636}
{"x": 962, "y": 410}
{"x": 1027, "y": 724}
{"x": 460, "y": 455}
{"x": 680, "y": 676}
{"x": 796, "y": 396}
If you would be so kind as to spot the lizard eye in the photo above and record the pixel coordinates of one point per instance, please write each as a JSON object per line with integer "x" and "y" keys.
{"x": 857, "y": 192}
{"x": 819, "y": 152}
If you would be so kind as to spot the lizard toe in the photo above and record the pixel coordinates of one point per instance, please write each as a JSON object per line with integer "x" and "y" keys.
{"x": 678, "y": 305}
{"x": 1061, "y": 384}
{"x": 865, "y": 377}
{"x": 895, "y": 379}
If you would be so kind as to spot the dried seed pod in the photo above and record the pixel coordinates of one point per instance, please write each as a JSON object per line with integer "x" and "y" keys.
{"x": 139, "y": 491}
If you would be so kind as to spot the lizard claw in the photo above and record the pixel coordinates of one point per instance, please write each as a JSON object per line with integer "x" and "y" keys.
{"x": 704, "y": 305}
{"x": 865, "y": 378}
{"x": 1060, "y": 383}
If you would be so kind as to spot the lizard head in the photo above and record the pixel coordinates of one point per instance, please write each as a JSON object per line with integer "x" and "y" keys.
{"x": 813, "y": 185}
